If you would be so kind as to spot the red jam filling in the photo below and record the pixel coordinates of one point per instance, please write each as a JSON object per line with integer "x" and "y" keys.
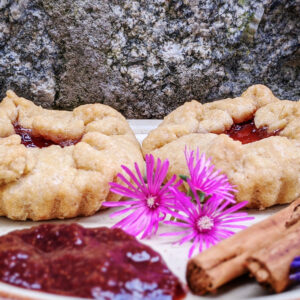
{"x": 247, "y": 132}
{"x": 99, "y": 263}
{"x": 31, "y": 141}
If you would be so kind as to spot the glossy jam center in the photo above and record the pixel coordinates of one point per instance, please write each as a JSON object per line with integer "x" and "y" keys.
{"x": 247, "y": 132}
{"x": 31, "y": 141}
{"x": 99, "y": 263}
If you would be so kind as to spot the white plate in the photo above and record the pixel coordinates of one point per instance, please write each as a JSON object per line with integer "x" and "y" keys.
{"x": 174, "y": 255}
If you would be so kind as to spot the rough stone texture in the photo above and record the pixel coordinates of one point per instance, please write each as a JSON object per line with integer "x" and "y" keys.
{"x": 147, "y": 57}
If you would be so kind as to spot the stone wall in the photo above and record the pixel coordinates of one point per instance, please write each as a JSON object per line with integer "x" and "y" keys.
{"x": 145, "y": 58}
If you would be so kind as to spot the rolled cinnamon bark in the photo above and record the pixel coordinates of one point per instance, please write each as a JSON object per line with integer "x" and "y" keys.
{"x": 294, "y": 218}
{"x": 220, "y": 264}
{"x": 271, "y": 265}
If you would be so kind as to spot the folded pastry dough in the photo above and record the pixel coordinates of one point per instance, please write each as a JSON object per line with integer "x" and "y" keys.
{"x": 265, "y": 172}
{"x": 56, "y": 181}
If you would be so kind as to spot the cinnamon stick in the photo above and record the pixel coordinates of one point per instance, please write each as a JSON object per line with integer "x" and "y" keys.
{"x": 220, "y": 264}
{"x": 271, "y": 265}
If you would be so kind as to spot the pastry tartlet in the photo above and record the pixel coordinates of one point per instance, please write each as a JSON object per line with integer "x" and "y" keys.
{"x": 254, "y": 139}
{"x": 58, "y": 164}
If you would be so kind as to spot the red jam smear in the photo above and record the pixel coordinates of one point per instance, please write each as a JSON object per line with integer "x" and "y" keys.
{"x": 31, "y": 141}
{"x": 247, "y": 132}
{"x": 99, "y": 263}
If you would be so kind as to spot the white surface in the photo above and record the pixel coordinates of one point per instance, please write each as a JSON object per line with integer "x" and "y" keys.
{"x": 174, "y": 255}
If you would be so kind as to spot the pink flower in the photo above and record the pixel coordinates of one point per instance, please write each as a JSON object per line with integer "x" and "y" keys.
{"x": 205, "y": 218}
{"x": 151, "y": 200}
{"x": 205, "y": 224}
{"x": 204, "y": 178}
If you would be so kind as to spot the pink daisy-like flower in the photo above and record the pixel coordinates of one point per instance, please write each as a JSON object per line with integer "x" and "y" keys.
{"x": 205, "y": 223}
{"x": 150, "y": 201}
{"x": 205, "y": 179}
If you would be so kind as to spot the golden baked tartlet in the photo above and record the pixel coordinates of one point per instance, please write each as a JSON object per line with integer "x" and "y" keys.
{"x": 58, "y": 164}
{"x": 254, "y": 139}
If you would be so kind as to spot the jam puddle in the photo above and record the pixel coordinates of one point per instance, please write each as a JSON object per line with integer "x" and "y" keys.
{"x": 247, "y": 132}
{"x": 99, "y": 263}
{"x": 30, "y": 141}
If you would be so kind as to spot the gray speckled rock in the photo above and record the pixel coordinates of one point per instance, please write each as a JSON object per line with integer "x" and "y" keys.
{"x": 147, "y": 57}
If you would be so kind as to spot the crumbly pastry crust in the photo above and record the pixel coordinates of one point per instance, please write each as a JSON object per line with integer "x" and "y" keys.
{"x": 55, "y": 182}
{"x": 265, "y": 172}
